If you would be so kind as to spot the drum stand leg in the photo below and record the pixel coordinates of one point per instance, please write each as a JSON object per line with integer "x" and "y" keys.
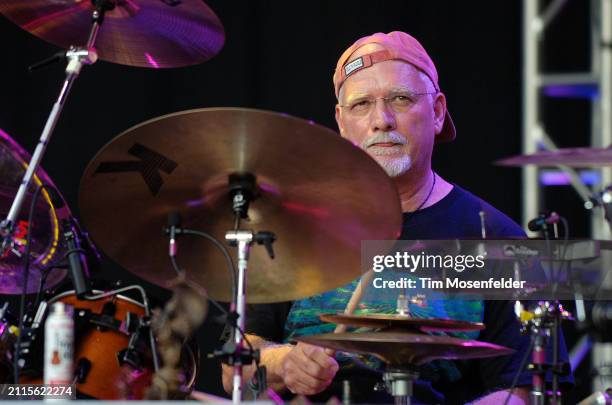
{"x": 243, "y": 190}
{"x": 243, "y": 239}
{"x": 399, "y": 384}
{"x": 543, "y": 324}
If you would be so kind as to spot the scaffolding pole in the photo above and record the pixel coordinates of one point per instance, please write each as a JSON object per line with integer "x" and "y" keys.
{"x": 535, "y": 137}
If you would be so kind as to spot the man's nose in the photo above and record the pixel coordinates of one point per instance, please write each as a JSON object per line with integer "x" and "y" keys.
{"x": 383, "y": 116}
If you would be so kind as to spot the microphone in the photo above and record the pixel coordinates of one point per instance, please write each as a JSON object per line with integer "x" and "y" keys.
{"x": 76, "y": 261}
{"x": 539, "y": 223}
{"x": 174, "y": 228}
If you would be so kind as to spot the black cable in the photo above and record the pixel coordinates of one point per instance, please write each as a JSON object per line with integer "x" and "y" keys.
{"x": 551, "y": 268}
{"x": 246, "y": 340}
{"x": 218, "y": 245}
{"x": 230, "y": 265}
{"x": 226, "y": 255}
{"x": 24, "y": 291}
{"x": 242, "y": 332}
{"x": 520, "y": 369}
{"x": 256, "y": 358}
{"x": 554, "y": 271}
{"x": 566, "y": 228}
{"x": 47, "y": 270}
{"x": 244, "y": 335}
{"x": 175, "y": 266}
{"x": 44, "y": 273}
{"x": 565, "y": 243}
{"x": 232, "y": 269}
{"x": 218, "y": 306}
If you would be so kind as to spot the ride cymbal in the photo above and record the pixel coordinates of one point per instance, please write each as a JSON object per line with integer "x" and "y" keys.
{"x": 318, "y": 193}
{"x": 145, "y": 33}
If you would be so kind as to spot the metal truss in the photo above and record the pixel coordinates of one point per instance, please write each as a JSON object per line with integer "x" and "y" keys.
{"x": 538, "y": 86}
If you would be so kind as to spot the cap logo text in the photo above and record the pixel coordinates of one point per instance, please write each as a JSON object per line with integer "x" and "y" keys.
{"x": 353, "y": 66}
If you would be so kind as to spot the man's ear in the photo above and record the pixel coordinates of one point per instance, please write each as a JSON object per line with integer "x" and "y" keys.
{"x": 439, "y": 106}
{"x": 339, "y": 120}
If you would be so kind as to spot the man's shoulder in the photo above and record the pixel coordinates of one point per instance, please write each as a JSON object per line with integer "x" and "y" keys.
{"x": 497, "y": 223}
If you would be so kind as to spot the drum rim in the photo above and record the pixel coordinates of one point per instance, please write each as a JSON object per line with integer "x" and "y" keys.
{"x": 72, "y": 292}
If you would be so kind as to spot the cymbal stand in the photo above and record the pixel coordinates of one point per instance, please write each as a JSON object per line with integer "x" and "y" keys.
{"x": 243, "y": 190}
{"x": 543, "y": 324}
{"x": 398, "y": 382}
{"x": 76, "y": 58}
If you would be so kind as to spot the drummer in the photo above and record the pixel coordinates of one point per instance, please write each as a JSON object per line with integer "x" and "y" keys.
{"x": 390, "y": 105}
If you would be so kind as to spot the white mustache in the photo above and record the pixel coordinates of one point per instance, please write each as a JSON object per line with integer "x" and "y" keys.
{"x": 384, "y": 137}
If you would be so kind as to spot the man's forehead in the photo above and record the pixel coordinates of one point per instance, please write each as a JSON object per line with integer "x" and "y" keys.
{"x": 364, "y": 91}
{"x": 368, "y": 80}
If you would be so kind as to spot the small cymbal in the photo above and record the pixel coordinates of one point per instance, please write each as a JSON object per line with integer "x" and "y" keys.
{"x": 572, "y": 157}
{"x": 403, "y": 348}
{"x": 318, "y": 193}
{"x": 402, "y": 321}
{"x": 49, "y": 211}
{"x": 145, "y": 33}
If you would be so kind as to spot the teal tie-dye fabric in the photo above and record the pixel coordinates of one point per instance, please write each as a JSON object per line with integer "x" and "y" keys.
{"x": 303, "y": 319}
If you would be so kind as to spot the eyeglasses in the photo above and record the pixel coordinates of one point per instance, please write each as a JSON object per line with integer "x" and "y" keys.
{"x": 399, "y": 102}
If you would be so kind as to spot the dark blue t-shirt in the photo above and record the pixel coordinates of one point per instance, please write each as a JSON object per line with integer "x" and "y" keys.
{"x": 457, "y": 215}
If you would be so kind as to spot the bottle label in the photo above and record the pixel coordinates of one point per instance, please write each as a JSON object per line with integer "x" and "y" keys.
{"x": 59, "y": 349}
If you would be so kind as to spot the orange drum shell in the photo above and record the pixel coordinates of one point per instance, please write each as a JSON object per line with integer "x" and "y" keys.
{"x": 100, "y": 347}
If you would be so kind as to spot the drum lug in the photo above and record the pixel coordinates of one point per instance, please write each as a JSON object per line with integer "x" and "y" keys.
{"x": 82, "y": 370}
{"x": 130, "y": 357}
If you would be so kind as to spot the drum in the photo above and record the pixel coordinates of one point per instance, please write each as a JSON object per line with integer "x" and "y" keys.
{"x": 48, "y": 214}
{"x": 101, "y": 339}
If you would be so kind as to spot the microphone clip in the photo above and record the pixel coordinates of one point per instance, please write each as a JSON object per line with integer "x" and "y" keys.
{"x": 172, "y": 230}
{"x": 541, "y": 222}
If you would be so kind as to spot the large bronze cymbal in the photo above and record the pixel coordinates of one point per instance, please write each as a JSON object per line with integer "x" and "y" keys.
{"x": 146, "y": 33}
{"x": 571, "y": 157}
{"x": 47, "y": 247}
{"x": 403, "y": 348}
{"x": 319, "y": 194}
{"x": 394, "y": 321}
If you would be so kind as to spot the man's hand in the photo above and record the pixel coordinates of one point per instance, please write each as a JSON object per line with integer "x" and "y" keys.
{"x": 307, "y": 369}
{"x": 303, "y": 369}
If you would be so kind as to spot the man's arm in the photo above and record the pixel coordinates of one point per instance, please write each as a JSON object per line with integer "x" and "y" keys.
{"x": 303, "y": 369}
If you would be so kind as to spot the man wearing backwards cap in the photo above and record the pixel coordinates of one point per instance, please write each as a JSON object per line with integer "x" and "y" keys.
{"x": 390, "y": 105}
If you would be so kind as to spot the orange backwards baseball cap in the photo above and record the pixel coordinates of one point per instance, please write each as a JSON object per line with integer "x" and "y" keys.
{"x": 398, "y": 46}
